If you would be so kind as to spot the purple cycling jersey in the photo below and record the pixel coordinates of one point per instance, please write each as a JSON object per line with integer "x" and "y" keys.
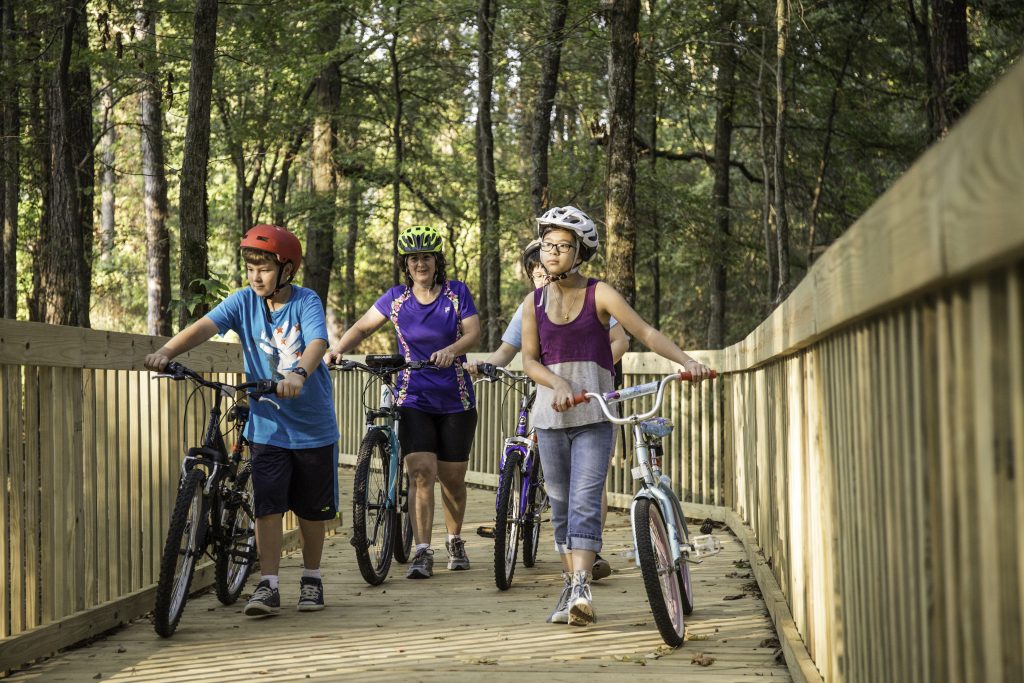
{"x": 422, "y": 329}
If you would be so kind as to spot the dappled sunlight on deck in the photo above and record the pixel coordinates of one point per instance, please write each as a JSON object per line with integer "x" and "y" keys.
{"x": 456, "y": 624}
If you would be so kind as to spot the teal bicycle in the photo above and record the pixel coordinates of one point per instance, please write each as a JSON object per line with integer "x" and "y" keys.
{"x": 381, "y": 526}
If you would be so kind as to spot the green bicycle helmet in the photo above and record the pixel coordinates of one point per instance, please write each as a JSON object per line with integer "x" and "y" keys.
{"x": 419, "y": 239}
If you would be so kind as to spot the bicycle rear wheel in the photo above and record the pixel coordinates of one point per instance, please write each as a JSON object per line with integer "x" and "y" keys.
{"x": 373, "y": 516}
{"x": 403, "y": 520}
{"x": 661, "y": 579}
{"x": 507, "y": 523}
{"x": 236, "y": 546}
{"x": 186, "y": 540}
{"x": 534, "y": 508}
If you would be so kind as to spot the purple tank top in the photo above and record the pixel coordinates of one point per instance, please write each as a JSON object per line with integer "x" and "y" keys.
{"x": 581, "y": 339}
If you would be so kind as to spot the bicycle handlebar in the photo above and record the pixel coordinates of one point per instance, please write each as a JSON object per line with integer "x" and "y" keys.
{"x": 380, "y": 371}
{"x": 493, "y": 373}
{"x": 258, "y": 390}
{"x": 605, "y": 400}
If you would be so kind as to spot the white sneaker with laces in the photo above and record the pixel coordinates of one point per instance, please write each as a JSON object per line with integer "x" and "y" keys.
{"x": 561, "y": 613}
{"x": 581, "y": 602}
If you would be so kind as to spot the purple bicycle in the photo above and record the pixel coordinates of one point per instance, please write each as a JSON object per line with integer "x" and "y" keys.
{"x": 521, "y": 500}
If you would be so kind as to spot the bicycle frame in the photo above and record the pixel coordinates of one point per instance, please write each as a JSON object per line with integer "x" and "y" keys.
{"x": 521, "y": 445}
{"x": 390, "y": 417}
{"x": 654, "y": 485}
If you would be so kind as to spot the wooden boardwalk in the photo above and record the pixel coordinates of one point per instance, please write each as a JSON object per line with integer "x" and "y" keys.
{"x": 454, "y": 626}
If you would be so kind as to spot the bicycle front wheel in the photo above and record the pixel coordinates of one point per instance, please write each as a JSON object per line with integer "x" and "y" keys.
{"x": 186, "y": 541}
{"x": 236, "y": 546}
{"x": 373, "y": 515}
{"x": 507, "y": 522}
{"x": 661, "y": 579}
{"x": 403, "y": 520}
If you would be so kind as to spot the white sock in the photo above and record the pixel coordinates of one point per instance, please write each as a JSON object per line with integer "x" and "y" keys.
{"x": 422, "y": 546}
{"x": 452, "y": 537}
{"x": 310, "y": 573}
{"x": 272, "y": 578}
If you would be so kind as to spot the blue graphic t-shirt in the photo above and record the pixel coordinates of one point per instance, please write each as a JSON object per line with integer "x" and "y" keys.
{"x": 270, "y": 351}
{"x": 422, "y": 329}
{"x": 514, "y": 332}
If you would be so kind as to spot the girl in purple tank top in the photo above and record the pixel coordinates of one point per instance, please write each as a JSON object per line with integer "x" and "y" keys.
{"x": 566, "y": 350}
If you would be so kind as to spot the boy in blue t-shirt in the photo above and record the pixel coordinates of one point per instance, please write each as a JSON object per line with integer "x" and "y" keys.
{"x": 294, "y": 449}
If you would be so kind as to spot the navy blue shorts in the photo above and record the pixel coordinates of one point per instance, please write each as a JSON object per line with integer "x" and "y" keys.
{"x": 447, "y": 435}
{"x": 303, "y": 480}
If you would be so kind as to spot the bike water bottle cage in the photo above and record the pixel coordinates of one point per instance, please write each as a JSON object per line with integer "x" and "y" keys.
{"x": 658, "y": 427}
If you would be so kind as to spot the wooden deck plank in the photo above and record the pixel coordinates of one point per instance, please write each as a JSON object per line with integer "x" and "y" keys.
{"x": 456, "y": 624}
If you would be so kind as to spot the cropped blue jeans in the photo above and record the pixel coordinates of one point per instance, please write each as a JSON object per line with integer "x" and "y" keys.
{"x": 575, "y": 462}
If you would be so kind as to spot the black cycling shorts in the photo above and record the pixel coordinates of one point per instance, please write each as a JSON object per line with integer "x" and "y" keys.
{"x": 449, "y": 435}
{"x": 303, "y": 480}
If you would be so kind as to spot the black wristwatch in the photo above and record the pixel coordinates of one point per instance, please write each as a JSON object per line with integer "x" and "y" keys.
{"x": 301, "y": 371}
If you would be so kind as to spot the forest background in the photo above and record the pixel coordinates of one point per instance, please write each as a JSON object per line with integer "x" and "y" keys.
{"x": 720, "y": 146}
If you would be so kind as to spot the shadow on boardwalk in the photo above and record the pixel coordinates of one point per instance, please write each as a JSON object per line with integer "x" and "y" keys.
{"x": 454, "y": 626}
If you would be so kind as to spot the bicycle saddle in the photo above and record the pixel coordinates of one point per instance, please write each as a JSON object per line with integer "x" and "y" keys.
{"x": 659, "y": 427}
{"x": 385, "y": 360}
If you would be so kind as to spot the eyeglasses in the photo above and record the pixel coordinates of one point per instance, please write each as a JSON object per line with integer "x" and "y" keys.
{"x": 560, "y": 247}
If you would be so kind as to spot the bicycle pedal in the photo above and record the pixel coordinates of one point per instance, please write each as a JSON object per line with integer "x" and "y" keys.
{"x": 706, "y": 545}
{"x": 485, "y": 531}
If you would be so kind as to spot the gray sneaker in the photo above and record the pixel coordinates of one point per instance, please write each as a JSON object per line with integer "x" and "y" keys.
{"x": 457, "y": 559}
{"x": 561, "y": 613}
{"x": 601, "y": 568}
{"x": 265, "y": 601}
{"x": 581, "y": 602}
{"x": 422, "y": 566}
{"x": 311, "y": 594}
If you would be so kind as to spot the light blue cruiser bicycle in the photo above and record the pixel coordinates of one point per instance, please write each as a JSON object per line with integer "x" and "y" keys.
{"x": 664, "y": 548}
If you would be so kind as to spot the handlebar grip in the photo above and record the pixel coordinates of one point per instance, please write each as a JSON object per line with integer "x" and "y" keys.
{"x": 685, "y": 376}
{"x": 579, "y": 398}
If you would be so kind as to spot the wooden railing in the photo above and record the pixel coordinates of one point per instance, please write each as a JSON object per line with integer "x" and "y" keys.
{"x": 875, "y": 425}
{"x": 90, "y": 450}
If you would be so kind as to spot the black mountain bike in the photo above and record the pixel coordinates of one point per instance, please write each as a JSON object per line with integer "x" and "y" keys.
{"x": 213, "y": 507}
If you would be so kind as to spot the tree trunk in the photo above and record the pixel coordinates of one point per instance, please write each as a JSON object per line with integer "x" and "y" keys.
{"x": 351, "y": 241}
{"x": 766, "y": 197}
{"x": 396, "y": 132}
{"x": 489, "y": 300}
{"x": 61, "y": 295}
{"x": 620, "y": 199}
{"x": 11, "y": 156}
{"x": 721, "y": 242}
{"x": 319, "y": 254}
{"x": 82, "y": 146}
{"x": 39, "y": 121}
{"x": 950, "y": 58}
{"x": 781, "y": 216}
{"x": 107, "y": 176}
{"x": 192, "y": 197}
{"x": 541, "y": 132}
{"x": 151, "y": 122}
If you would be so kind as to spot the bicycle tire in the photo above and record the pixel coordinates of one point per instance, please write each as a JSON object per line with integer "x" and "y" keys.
{"x": 236, "y": 546}
{"x": 403, "y": 521}
{"x": 661, "y": 579}
{"x": 186, "y": 540}
{"x": 373, "y": 520}
{"x": 533, "y": 512}
{"x": 507, "y": 523}
{"x": 684, "y": 573}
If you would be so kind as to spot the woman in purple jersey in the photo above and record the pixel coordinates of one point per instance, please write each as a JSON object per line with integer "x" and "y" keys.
{"x": 434, "y": 319}
{"x": 566, "y": 350}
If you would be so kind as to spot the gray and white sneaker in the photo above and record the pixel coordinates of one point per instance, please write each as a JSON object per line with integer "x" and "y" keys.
{"x": 311, "y": 594}
{"x": 581, "y": 602}
{"x": 265, "y": 601}
{"x": 561, "y": 613}
{"x": 457, "y": 559}
{"x": 422, "y": 565}
{"x": 601, "y": 568}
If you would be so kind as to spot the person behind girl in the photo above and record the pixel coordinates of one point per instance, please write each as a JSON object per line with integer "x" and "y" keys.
{"x": 294, "y": 449}
{"x": 512, "y": 341}
{"x": 435, "y": 319}
{"x": 565, "y": 351}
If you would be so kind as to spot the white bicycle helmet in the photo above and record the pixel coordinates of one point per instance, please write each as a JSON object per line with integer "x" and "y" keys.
{"x": 571, "y": 218}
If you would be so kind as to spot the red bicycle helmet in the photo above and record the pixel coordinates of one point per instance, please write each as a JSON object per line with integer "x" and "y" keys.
{"x": 277, "y": 241}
